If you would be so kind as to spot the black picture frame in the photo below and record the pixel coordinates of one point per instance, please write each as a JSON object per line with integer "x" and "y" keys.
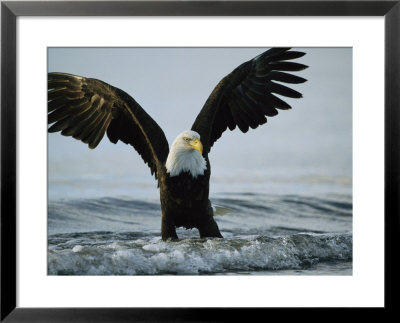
{"x": 10, "y": 10}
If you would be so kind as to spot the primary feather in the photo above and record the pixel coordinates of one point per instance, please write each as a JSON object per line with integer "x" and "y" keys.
{"x": 86, "y": 109}
{"x": 245, "y": 97}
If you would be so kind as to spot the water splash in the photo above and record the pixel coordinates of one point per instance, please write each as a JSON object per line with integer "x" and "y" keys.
{"x": 106, "y": 253}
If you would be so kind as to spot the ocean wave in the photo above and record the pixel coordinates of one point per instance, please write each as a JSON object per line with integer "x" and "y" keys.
{"x": 136, "y": 253}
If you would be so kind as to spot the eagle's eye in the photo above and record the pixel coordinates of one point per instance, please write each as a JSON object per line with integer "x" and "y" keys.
{"x": 186, "y": 139}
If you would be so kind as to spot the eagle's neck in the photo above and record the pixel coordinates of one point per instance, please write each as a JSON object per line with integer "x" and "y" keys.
{"x": 181, "y": 160}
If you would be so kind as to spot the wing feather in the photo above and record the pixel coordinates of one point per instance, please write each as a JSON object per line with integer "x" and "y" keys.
{"x": 238, "y": 116}
{"x": 86, "y": 109}
{"x": 246, "y": 96}
{"x": 283, "y": 90}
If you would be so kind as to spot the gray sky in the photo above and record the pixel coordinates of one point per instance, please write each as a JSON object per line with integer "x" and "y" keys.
{"x": 172, "y": 84}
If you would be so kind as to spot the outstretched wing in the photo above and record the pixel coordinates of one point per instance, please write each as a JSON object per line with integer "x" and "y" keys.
{"x": 246, "y": 96}
{"x": 86, "y": 109}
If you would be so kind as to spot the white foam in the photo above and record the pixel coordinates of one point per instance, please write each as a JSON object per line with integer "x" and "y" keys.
{"x": 149, "y": 256}
{"x": 77, "y": 248}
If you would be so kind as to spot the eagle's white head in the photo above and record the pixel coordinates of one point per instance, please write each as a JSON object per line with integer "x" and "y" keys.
{"x": 186, "y": 155}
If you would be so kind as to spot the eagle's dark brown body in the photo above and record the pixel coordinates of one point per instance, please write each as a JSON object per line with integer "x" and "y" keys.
{"x": 185, "y": 203}
{"x": 86, "y": 109}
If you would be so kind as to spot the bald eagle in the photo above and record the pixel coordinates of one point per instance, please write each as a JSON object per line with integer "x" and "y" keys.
{"x": 87, "y": 108}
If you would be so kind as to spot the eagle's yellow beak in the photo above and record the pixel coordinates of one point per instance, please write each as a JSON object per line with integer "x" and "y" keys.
{"x": 196, "y": 144}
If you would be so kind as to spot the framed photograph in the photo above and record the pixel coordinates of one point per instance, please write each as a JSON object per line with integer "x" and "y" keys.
{"x": 299, "y": 212}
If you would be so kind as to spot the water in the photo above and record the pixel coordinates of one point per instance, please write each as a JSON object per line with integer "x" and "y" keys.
{"x": 263, "y": 234}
